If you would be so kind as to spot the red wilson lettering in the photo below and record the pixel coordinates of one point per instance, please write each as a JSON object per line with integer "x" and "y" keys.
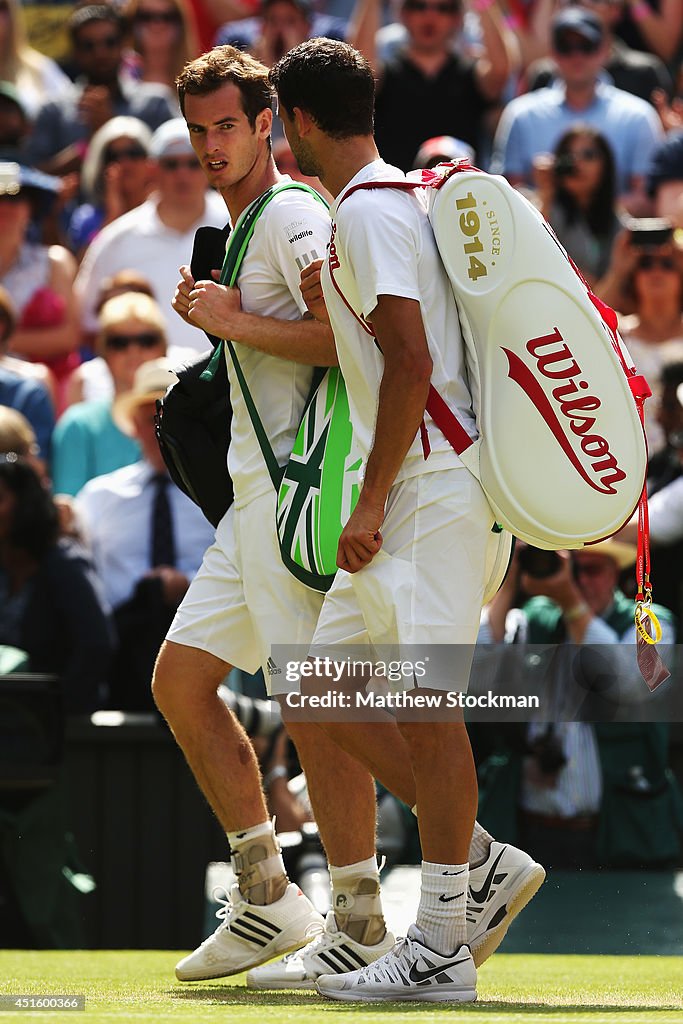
{"x": 571, "y": 413}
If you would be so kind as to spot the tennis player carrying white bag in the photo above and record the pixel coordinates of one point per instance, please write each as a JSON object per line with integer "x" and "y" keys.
{"x": 561, "y": 452}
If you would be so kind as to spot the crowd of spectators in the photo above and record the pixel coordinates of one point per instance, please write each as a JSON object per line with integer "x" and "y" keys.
{"x": 579, "y": 104}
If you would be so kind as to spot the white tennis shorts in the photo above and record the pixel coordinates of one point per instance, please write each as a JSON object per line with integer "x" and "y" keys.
{"x": 243, "y": 599}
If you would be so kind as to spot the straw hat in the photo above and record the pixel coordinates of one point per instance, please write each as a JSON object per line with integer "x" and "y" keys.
{"x": 620, "y": 551}
{"x": 152, "y": 380}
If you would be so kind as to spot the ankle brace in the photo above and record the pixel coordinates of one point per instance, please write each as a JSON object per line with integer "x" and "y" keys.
{"x": 358, "y": 911}
{"x": 260, "y": 871}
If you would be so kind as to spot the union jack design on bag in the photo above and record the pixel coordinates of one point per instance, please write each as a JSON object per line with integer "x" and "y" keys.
{"x": 320, "y": 485}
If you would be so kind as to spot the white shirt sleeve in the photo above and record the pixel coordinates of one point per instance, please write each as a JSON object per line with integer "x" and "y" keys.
{"x": 381, "y": 238}
{"x": 298, "y": 234}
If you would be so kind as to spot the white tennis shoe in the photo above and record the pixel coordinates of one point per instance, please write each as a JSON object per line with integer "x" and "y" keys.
{"x": 249, "y": 935}
{"x": 330, "y": 952}
{"x": 410, "y": 971}
{"x": 498, "y": 890}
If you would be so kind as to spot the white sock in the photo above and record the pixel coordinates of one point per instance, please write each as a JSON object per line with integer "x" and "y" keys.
{"x": 236, "y": 839}
{"x": 479, "y": 846}
{"x": 356, "y": 901}
{"x": 443, "y": 902}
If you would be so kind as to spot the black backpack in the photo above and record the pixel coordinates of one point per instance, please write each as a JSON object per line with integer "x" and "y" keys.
{"x": 193, "y": 431}
{"x": 193, "y": 418}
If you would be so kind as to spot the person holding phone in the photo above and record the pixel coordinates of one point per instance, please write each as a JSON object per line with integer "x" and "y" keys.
{"x": 576, "y": 188}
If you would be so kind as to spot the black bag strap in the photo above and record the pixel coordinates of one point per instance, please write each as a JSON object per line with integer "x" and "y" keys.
{"x": 234, "y": 255}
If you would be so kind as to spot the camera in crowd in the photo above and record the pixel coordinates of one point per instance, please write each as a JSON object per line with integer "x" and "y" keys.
{"x": 650, "y": 232}
{"x": 564, "y": 166}
{"x": 539, "y": 563}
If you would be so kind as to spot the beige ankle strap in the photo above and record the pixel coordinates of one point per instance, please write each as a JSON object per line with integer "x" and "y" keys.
{"x": 358, "y": 911}
{"x": 260, "y": 870}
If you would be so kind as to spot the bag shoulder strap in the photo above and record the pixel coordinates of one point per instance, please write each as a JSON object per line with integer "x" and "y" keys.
{"x": 238, "y": 244}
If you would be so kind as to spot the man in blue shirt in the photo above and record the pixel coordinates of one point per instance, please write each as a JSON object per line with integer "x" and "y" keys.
{"x": 533, "y": 123}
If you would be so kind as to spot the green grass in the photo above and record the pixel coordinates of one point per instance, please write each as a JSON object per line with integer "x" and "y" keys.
{"x": 140, "y": 986}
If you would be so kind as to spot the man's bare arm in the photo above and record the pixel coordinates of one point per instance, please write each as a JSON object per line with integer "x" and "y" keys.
{"x": 402, "y": 398}
{"x": 217, "y": 309}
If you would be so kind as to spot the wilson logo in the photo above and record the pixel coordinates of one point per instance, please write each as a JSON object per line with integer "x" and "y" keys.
{"x": 571, "y": 415}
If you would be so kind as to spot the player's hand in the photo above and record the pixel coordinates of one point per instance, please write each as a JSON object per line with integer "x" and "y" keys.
{"x": 312, "y": 292}
{"x": 181, "y": 298}
{"x": 215, "y": 308}
{"x": 361, "y": 538}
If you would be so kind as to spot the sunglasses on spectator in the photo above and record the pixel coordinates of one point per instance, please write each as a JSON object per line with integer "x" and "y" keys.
{"x": 174, "y": 163}
{"x": 121, "y": 342}
{"x": 158, "y": 17}
{"x": 565, "y": 47}
{"x": 587, "y": 154}
{"x": 91, "y": 45}
{"x": 422, "y": 6}
{"x": 116, "y": 156}
{"x": 651, "y": 262}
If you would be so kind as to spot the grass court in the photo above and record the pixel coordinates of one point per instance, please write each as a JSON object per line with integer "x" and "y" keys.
{"x": 139, "y": 986}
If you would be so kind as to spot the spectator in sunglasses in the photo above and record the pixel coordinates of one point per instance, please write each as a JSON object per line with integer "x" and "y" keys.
{"x": 87, "y": 441}
{"x": 533, "y": 123}
{"x": 429, "y": 87}
{"x": 653, "y": 331}
{"x": 164, "y": 38}
{"x": 117, "y": 176}
{"x": 575, "y": 187}
{"x": 65, "y": 125}
{"x": 92, "y": 379}
{"x": 634, "y": 71}
{"x": 156, "y": 237}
